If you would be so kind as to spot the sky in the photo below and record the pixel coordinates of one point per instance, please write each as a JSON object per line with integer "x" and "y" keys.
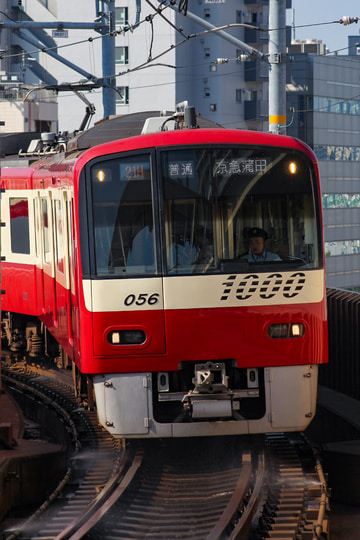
{"x": 311, "y": 12}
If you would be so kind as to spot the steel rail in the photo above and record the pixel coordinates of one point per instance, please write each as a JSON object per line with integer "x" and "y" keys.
{"x": 92, "y": 516}
{"x": 241, "y": 489}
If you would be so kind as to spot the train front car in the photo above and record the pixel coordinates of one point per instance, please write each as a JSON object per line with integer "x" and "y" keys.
{"x": 191, "y": 332}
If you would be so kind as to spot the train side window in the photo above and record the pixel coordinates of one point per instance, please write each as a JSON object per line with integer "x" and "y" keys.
{"x": 46, "y": 231}
{"x": 19, "y": 225}
{"x": 59, "y": 237}
{"x": 37, "y": 228}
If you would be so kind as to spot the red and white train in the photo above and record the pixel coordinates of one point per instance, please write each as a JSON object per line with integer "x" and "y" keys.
{"x": 134, "y": 256}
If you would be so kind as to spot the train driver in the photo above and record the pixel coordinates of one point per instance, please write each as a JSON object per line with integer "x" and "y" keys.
{"x": 257, "y": 252}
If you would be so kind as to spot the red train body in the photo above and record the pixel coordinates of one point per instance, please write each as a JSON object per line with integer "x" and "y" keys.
{"x": 133, "y": 254}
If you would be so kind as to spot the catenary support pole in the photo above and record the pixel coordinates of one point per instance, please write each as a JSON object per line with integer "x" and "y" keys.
{"x": 108, "y": 59}
{"x": 277, "y": 60}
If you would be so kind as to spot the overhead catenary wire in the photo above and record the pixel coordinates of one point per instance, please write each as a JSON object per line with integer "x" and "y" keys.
{"x": 150, "y": 62}
{"x": 215, "y": 75}
{"x": 158, "y": 10}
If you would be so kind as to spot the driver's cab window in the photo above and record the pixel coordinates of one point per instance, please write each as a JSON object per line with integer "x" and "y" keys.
{"x": 123, "y": 216}
{"x": 277, "y": 228}
{"x": 239, "y": 209}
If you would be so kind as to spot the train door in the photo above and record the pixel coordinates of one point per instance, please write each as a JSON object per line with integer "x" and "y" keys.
{"x": 38, "y": 251}
{"x": 49, "y": 312}
{"x": 74, "y": 328}
{"x": 61, "y": 267}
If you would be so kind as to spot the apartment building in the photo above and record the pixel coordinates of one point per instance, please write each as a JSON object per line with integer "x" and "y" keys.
{"x": 156, "y": 65}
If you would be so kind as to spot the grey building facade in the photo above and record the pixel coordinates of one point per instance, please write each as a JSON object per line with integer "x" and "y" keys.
{"x": 324, "y": 91}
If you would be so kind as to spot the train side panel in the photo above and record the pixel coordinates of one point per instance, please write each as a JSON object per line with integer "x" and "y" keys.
{"x": 37, "y": 244}
{"x": 20, "y": 265}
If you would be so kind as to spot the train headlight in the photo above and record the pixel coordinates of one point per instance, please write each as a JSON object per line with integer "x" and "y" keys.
{"x": 126, "y": 337}
{"x": 286, "y": 330}
{"x": 115, "y": 338}
{"x": 296, "y": 330}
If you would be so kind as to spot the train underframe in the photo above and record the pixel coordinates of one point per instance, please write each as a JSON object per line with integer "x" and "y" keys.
{"x": 207, "y": 398}
{"x": 201, "y": 398}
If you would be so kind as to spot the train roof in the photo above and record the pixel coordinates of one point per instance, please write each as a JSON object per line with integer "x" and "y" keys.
{"x": 11, "y": 143}
{"x": 136, "y": 128}
{"x": 124, "y": 126}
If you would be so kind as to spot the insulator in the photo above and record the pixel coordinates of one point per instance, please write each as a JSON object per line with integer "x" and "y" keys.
{"x": 348, "y": 20}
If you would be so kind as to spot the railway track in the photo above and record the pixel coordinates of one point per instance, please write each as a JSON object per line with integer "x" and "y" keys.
{"x": 93, "y": 456}
{"x": 207, "y": 488}
{"x": 248, "y": 488}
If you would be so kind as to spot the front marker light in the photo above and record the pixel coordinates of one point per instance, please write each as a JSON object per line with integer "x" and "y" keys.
{"x": 285, "y": 330}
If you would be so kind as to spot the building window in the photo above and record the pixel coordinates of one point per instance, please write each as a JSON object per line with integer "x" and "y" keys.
{"x": 124, "y": 98}
{"x": 253, "y": 95}
{"x": 341, "y": 200}
{"x": 337, "y": 153}
{"x": 43, "y": 125}
{"x": 213, "y": 107}
{"x": 213, "y": 67}
{"x": 206, "y": 92}
{"x": 121, "y": 16}
{"x": 121, "y": 55}
{"x": 325, "y": 104}
{"x": 238, "y": 16}
{"x": 238, "y": 95}
{"x": 207, "y": 13}
{"x": 342, "y": 247}
{"x": 206, "y": 52}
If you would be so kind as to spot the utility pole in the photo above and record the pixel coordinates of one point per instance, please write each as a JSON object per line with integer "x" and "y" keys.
{"x": 277, "y": 73}
{"x": 276, "y": 59}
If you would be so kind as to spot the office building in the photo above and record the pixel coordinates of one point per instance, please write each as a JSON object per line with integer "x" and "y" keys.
{"x": 324, "y": 93}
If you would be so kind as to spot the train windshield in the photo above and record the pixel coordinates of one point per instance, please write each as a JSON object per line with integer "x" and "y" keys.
{"x": 236, "y": 209}
{"x": 123, "y": 216}
{"x": 207, "y": 210}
